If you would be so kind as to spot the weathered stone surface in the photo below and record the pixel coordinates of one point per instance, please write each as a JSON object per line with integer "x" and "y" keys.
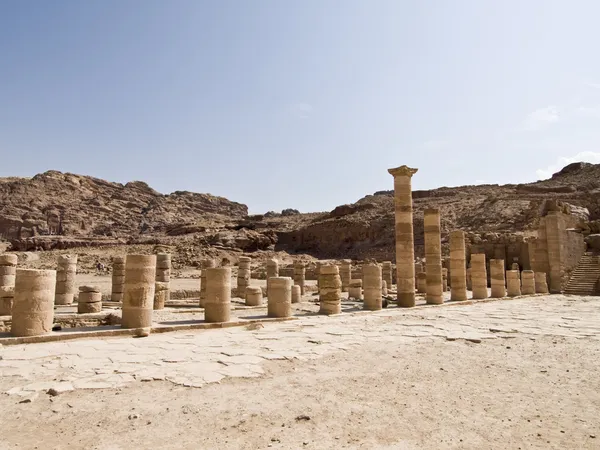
{"x": 386, "y": 273}
{"x": 206, "y": 264}
{"x": 497, "y": 278}
{"x": 253, "y": 296}
{"x": 433, "y": 257}
{"x": 355, "y": 289}
{"x": 139, "y": 288}
{"x": 279, "y": 301}
{"x": 296, "y": 294}
{"x": 458, "y": 266}
{"x": 65, "y": 279}
{"x": 217, "y": 306}
{"x": 345, "y": 274}
{"x": 33, "y": 305}
{"x": 541, "y": 283}
{"x": 272, "y": 271}
{"x": 421, "y": 282}
{"x": 8, "y": 259}
{"x": 527, "y": 282}
{"x": 89, "y": 301}
{"x": 330, "y": 290}
{"x": 513, "y": 283}
{"x": 244, "y": 275}
{"x": 161, "y": 295}
{"x": 372, "y": 286}
{"x": 479, "y": 276}
{"x": 300, "y": 276}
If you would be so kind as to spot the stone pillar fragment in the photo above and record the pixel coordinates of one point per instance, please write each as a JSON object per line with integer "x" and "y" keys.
{"x": 138, "y": 294}
{"x": 272, "y": 271}
{"x": 355, "y": 289}
{"x": 405, "y": 251}
{"x": 253, "y": 296}
{"x": 89, "y": 300}
{"x": 513, "y": 283}
{"x": 372, "y": 284}
{"x": 279, "y": 301}
{"x": 514, "y": 266}
{"x": 7, "y": 294}
{"x": 497, "y": 278}
{"x": 541, "y": 283}
{"x": 161, "y": 295}
{"x": 386, "y": 273}
{"x": 444, "y": 279}
{"x": 118, "y": 279}
{"x": 433, "y": 257}
{"x": 527, "y": 282}
{"x": 244, "y": 275}
{"x": 458, "y": 266}
{"x": 555, "y": 230}
{"x": 384, "y": 290}
{"x": 330, "y": 290}
{"x": 422, "y": 283}
{"x": 217, "y": 305}
{"x": 33, "y": 306}
{"x": 206, "y": 264}
{"x": 469, "y": 280}
{"x": 296, "y": 294}
{"x": 346, "y": 274}
{"x": 8, "y": 270}
{"x": 65, "y": 280}
{"x": 318, "y": 273}
{"x": 300, "y": 276}
{"x": 479, "y": 276}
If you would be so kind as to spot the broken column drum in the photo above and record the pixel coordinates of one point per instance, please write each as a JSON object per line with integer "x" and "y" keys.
{"x": 244, "y": 275}
{"x": 513, "y": 283}
{"x": 272, "y": 271}
{"x": 253, "y": 296}
{"x": 355, "y": 289}
{"x": 33, "y": 306}
{"x": 279, "y": 301}
{"x": 372, "y": 284}
{"x": 405, "y": 251}
{"x": 433, "y": 257}
{"x": 527, "y": 282}
{"x": 300, "y": 276}
{"x": 386, "y": 273}
{"x": 541, "y": 283}
{"x": 8, "y": 269}
{"x": 206, "y": 264}
{"x": 346, "y": 274}
{"x": 65, "y": 280}
{"x": 497, "y": 278}
{"x": 296, "y": 294}
{"x": 217, "y": 306}
{"x": 161, "y": 294}
{"x": 330, "y": 290}
{"x": 479, "y": 276}
{"x": 138, "y": 293}
{"x": 458, "y": 266}
{"x": 163, "y": 276}
{"x": 118, "y": 278}
{"x": 90, "y": 300}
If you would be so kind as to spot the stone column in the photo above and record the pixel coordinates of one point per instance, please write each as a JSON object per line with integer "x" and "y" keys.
{"x": 279, "y": 301}
{"x": 458, "y": 266}
{"x": 386, "y": 273}
{"x": 89, "y": 300}
{"x": 253, "y": 296}
{"x": 469, "y": 280}
{"x": 444, "y": 280}
{"x": 514, "y": 266}
{"x": 355, "y": 289}
{"x": 33, "y": 306}
{"x": 497, "y": 278}
{"x": 542, "y": 264}
{"x": 244, "y": 275}
{"x": 8, "y": 270}
{"x": 272, "y": 271}
{"x": 208, "y": 263}
{"x": 138, "y": 294}
{"x": 118, "y": 279}
{"x": 318, "y": 274}
{"x": 433, "y": 257}
{"x": 513, "y": 283}
{"x": 422, "y": 283}
{"x": 541, "y": 283}
{"x": 405, "y": 251}
{"x": 296, "y": 294}
{"x": 217, "y": 306}
{"x": 527, "y": 282}
{"x": 346, "y": 274}
{"x": 555, "y": 229}
{"x": 163, "y": 276}
{"x": 479, "y": 276}
{"x": 161, "y": 294}
{"x": 384, "y": 291}
{"x": 330, "y": 290}
{"x": 300, "y": 276}
{"x": 65, "y": 280}
{"x": 372, "y": 286}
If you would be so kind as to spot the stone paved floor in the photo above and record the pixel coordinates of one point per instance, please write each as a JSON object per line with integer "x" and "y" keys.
{"x": 197, "y": 358}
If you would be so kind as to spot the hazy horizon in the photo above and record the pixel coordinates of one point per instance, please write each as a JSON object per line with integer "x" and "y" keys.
{"x": 298, "y": 105}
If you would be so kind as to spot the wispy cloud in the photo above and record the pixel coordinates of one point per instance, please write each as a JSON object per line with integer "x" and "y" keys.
{"x": 434, "y": 144}
{"x": 541, "y": 118}
{"x": 591, "y": 157}
{"x": 589, "y": 111}
{"x": 593, "y": 85}
{"x": 301, "y": 110}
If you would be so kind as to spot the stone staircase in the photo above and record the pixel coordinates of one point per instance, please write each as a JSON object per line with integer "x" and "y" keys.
{"x": 585, "y": 277}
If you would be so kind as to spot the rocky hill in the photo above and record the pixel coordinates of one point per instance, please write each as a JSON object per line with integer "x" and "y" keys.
{"x": 56, "y": 210}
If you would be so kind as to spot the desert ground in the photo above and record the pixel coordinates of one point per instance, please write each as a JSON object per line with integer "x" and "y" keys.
{"x": 519, "y": 373}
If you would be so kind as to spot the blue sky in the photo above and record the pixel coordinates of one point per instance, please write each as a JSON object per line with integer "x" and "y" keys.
{"x": 298, "y": 104}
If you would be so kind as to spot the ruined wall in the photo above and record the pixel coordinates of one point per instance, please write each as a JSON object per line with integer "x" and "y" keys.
{"x": 574, "y": 247}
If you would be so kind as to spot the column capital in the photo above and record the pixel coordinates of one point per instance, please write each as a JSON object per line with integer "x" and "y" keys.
{"x": 403, "y": 171}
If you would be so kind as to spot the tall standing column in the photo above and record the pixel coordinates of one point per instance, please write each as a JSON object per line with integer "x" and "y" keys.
{"x": 208, "y": 263}
{"x": 458, "y": 266}
{"x": 300, "y": 276}
{"x": 217, "y": 307}
{"x": 33, "y": 307}
{"x": 497, "y": 278}
{"x": 330, "y": 290}
{"x": 272, "y": 271}
{"x": 433, "y": 256}
{"x": 479, "y": 276}
{"x": 118, "y": 278}
{"x": 405, "y": 248}
{"x": 138, "y": 295}
{"x": 386, "y": 273}
{"x": 65, "y": 280}
{"x": 243, "y": 277}
{"x": 372, "y": 284}
{"x": 346, "y": 274}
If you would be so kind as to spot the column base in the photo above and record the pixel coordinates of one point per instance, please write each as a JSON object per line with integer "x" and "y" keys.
{"x": 406, "y": 299}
